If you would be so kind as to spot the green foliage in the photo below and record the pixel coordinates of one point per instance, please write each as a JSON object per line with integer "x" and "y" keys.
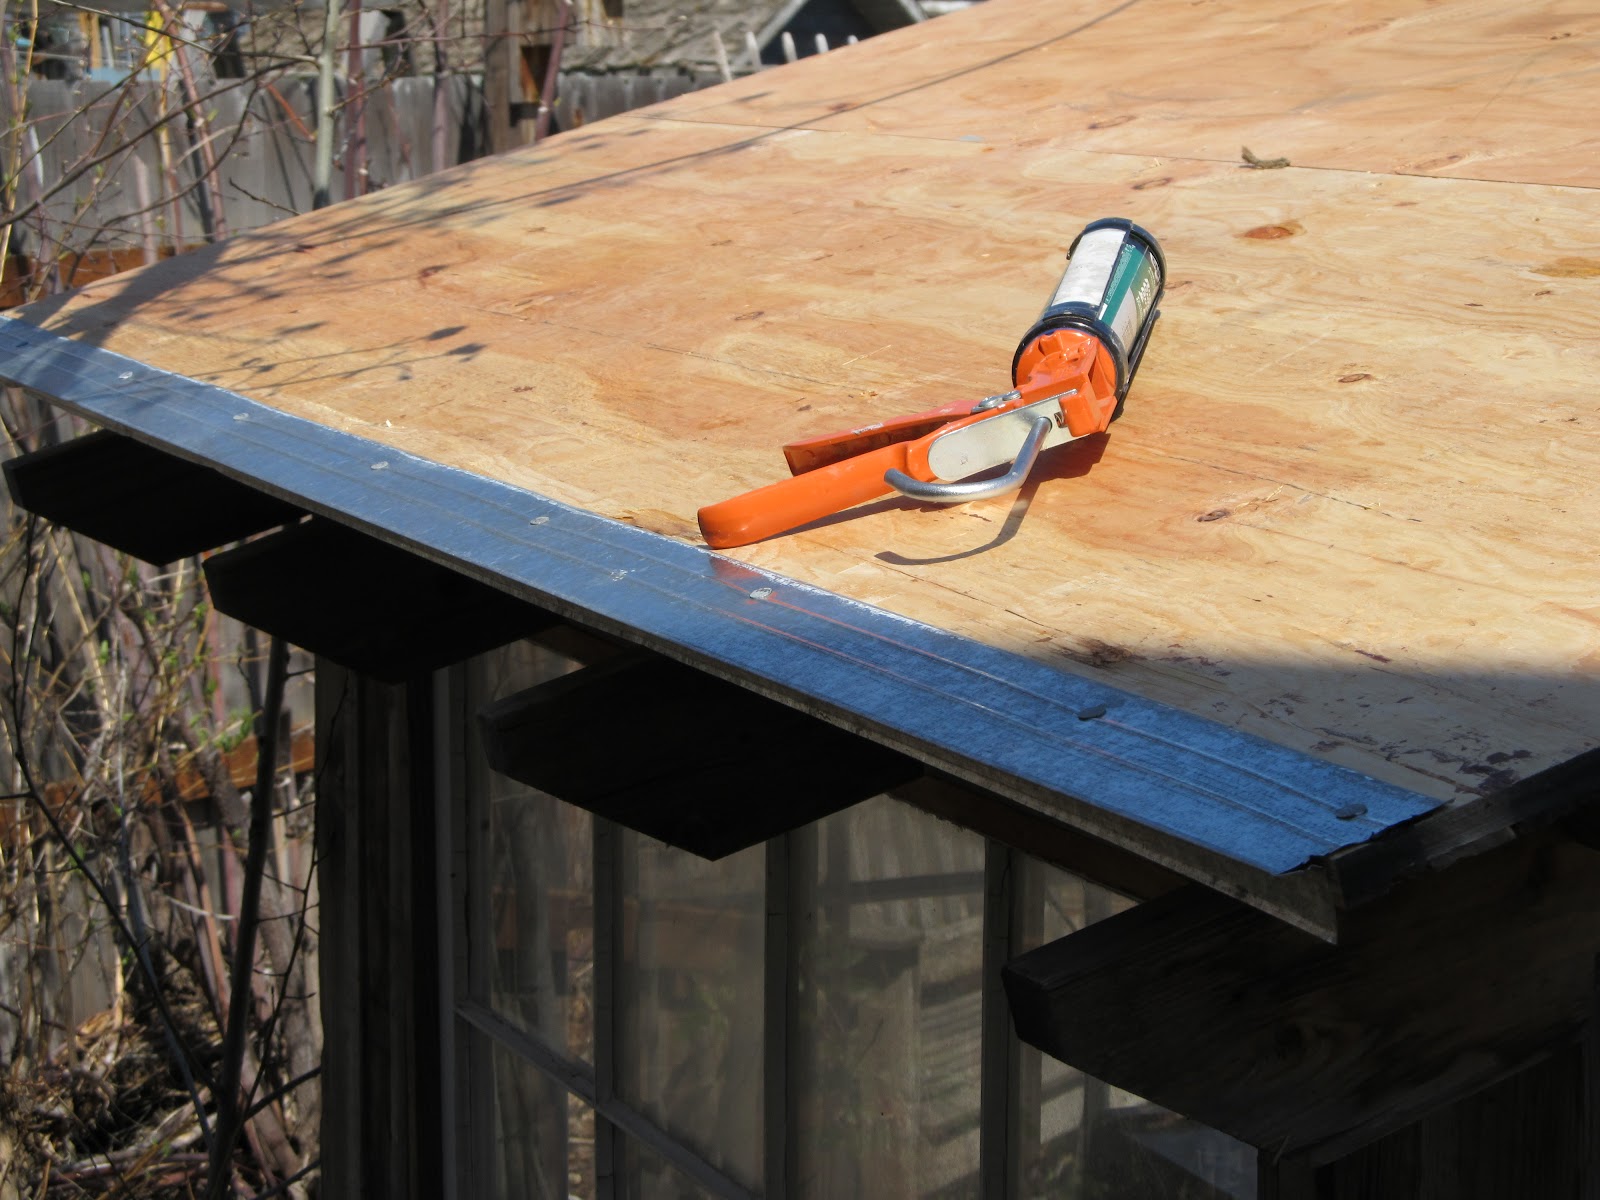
{"x": 239, "y": 725}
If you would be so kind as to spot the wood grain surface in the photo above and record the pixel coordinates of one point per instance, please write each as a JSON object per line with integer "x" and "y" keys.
{"x": 1352, "y": 505}
{"x": 1223, "y": 1013}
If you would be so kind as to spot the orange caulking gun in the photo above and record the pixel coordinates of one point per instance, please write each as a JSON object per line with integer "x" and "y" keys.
{"x": 1070, "y": 375}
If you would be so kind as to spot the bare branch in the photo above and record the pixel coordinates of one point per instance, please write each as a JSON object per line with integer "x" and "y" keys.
{"x": 78, "y": 170}
{"x": 230, "y": 1114}
{"x": 180, "y": 1053}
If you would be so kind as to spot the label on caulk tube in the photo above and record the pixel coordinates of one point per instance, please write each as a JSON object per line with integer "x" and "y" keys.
{"x": 1114, "y": 276}
{"x": 1134, "y": 285}
{"x": 1089, "y": 271}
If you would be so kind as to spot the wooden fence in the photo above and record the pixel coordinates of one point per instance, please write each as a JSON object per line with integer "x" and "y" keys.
{"x": 141, "y": 195}
{"x": 140, "y": 201}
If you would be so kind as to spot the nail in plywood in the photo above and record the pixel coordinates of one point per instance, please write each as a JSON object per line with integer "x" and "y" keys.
{"x": 1349, "y": 506}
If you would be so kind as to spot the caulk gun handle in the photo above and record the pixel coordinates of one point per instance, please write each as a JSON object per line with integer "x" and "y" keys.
{"x": 799, "y": 500}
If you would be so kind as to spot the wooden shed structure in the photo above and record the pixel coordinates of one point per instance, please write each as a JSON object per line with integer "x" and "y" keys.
{"x": 1241, "y": 764}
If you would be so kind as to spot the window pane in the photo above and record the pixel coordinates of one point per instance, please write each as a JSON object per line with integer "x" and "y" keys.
{"x": 651, "y": 1177}
{"x": 891, "y": 958}
{"x": 542, "y": 917}
{"x": 1140, "y": 1149}
{"x": 580, "y": 1150}
{"x": 543, "y": 1137}
{"x": 536, "y": 863}
{"x": 1083, "y": 1139}
{"x": 689, "y": 989}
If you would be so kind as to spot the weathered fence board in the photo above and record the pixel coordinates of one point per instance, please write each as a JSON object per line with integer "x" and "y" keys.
{"x": 263, "y": 137}
{"x": 145, "y": 196}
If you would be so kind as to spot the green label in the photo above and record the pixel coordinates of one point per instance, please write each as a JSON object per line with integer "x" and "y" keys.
{"x": 1135, "y": 280}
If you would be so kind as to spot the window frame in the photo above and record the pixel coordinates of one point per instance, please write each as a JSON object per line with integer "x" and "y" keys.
{"x": 470, "y": 1027}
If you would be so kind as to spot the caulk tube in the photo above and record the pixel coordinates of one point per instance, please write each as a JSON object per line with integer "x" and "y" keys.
{"x": 1114, "y": 279}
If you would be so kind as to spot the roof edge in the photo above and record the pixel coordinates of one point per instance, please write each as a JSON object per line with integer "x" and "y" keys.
{"x": 1221, "y": 806}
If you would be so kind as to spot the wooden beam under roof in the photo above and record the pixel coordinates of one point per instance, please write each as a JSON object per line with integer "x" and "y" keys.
{"x": 363, "y": 604}
{"x": 141, "y": 500}
{"x": 688, "y": 759}
{"x": 1308, "y": 1050}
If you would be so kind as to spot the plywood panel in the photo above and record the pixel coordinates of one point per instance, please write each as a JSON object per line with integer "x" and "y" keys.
{"x": 1469, "y": 89}
{"x": 1350, "y": 506}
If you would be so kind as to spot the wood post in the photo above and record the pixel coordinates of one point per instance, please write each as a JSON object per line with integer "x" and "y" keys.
{"x": 1522, "y": 1137}
{"x": 1285, "y": 1179}
{"x": 523, "y": 36}
{"x": 382, "y": 1078}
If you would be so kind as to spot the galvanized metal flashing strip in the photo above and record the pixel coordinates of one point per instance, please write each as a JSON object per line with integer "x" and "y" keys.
{"x": 997, "y": 718}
